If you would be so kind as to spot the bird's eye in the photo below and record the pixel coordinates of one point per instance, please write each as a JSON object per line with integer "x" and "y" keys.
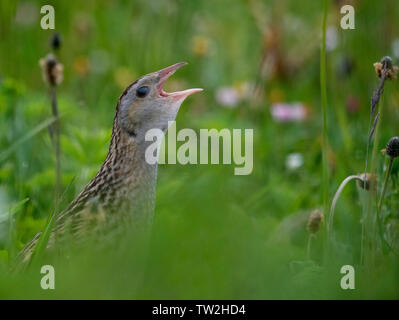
{"x": 142, "y": 92}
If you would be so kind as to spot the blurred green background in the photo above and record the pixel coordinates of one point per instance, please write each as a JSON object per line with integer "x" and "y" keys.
{"x": 215, "y": 235}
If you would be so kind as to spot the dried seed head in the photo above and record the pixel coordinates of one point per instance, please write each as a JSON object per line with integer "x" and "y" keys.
{"x": 391, "y": 70}
{"x": 368, "y": 181}
{"x": 378, "y": 68}
{"x": 392, "y": 148}
{"x": 52, "y": 70}
{"x": 314, "y": 222}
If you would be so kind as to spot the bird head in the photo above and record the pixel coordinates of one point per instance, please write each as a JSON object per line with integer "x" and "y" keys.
{"x": 144, "y": 105}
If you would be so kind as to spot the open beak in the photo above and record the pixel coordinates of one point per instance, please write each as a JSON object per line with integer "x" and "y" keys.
{"x": 164, "y": 74}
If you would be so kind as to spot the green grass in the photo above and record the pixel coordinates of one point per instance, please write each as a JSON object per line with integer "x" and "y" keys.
{"x": 323, "y": 90}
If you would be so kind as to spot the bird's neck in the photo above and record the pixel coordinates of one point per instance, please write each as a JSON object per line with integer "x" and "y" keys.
{"x": 126, "y": 159}
{"x": 125, "y": 178}
{"x": 124, "y": 184}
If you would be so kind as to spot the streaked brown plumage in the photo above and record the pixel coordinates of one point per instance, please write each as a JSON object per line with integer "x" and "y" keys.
{"x": 123, "y": 190}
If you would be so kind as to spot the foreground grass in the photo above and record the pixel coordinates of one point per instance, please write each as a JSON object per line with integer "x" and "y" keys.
{"x": 215, "y": 235}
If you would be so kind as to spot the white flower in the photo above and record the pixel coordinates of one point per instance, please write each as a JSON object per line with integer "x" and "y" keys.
{"x": 294, "y": 161}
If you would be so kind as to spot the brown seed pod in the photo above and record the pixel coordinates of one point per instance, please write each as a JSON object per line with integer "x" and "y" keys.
{"x": 391, "y": 70}
{"x": 52, "y": 70}
{"x": 314, "y": 222}
{"x": 368, "y": 181}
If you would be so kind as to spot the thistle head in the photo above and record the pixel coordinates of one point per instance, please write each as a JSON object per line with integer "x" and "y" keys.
{"x": 392, "y": 148}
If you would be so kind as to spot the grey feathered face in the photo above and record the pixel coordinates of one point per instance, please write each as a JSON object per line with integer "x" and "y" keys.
{"x": 144, "y": 105}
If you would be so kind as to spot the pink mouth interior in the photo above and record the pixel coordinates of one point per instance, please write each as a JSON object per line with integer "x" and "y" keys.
{"x": 165, "y": 74}
{"x": 161, "y": 83}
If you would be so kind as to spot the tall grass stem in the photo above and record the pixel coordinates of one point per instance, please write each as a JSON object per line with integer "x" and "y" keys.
{"x": 335, "y": 200}
{"x": 323, "y": 92}
{"x": 56, "y": 140}
{"x": 323, "y": 87}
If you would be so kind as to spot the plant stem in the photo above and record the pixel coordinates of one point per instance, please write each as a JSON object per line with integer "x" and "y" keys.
{"x": 391, "y": 159}
{"x": 334, "y": 202}
{"x": 385, "y": 185}
{"x": 324, "y": 143}
{"x": 309, "y": 246}
{"x": 370, "y": 235}
{"x": 375, "y": 99}
{"x": 368, "y": 240}
{"x": 323, "y": 88}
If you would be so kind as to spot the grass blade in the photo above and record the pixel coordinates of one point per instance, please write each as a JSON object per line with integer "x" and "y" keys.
{"x": 43, "y": 125}
{"x": 44, "y": 237}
